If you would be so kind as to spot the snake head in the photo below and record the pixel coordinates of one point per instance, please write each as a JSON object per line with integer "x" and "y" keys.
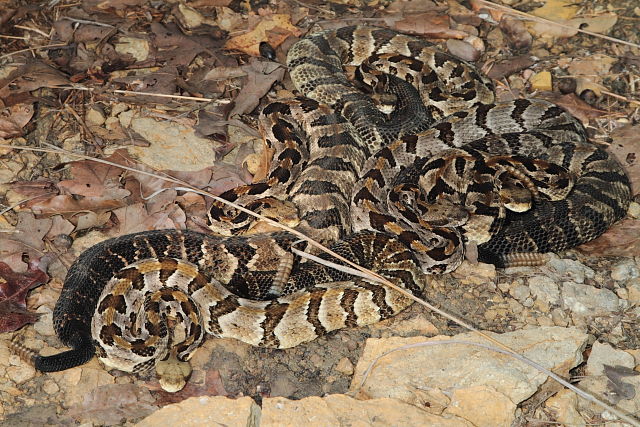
{"x": 173, "y": 373}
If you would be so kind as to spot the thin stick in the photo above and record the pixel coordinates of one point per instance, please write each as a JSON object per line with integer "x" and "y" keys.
{"x": 160, "y": 95}
{"x": 32, "y": 49}
{"x": 35, "y": 30}
{"x": 529, "y": 17}
{"x": 620, "y": 97}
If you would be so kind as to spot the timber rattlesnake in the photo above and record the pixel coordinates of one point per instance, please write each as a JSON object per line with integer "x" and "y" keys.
{"x": 149, "y": 299}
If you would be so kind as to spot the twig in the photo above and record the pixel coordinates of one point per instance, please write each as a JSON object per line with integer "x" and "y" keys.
{"x": 3, "y": 36}
{"x": 160, "y": 95}
{"x": 620, "y": 97}
{"x": 7, "y": 55}
{"x": 35, "y": 30}
{"x": 85, "y": 21}
{"x": 529, "y": 17}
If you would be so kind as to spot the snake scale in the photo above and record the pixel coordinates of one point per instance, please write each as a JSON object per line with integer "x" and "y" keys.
{"x": 399, "y": 172}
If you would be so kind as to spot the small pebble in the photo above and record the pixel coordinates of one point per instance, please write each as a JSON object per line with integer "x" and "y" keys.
{"x": 50, "y": 387}
{"x": 20, "y": 374}
{"x": 625, "y": 270}
{"x": 344, "y": 366}
{"x": 541, "y": 81}
{"x": 520, "y": 292}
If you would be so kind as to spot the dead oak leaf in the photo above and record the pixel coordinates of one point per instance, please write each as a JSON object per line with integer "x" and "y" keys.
{"x": 272, "y": 29}
{"x": 30, "y": 77}
{"x": 93, "y": 179}
{"x": 429, "y": 24}
{"x": 135, "y": 218}
{"x": 68, "y": 205}
{"x": 261, "y": 75}
{"x": 574, "y": 105}
{"x": 31, "y": 230}
{"x": 625, "y": 147}
{"x": 14, "y": 118}
{"x": 13, "y": 292}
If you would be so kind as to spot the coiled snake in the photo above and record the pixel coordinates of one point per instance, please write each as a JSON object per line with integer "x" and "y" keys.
{"x": 401, "y": 191}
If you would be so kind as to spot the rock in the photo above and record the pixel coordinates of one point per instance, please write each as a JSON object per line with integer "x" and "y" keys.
{"x": 604, "y": 354}
{"x": 283, "y": 386}
{"x": 586, "y": 300}
{"x": 475, "y": 274}
{"x": 634, "y": 210}
{"x": 545, "y": 289}
{"x": 78, "y": 382}
{"x": 50, "y": 387}
{"x": 625, "y": 270}
{"x": 172, "y": 146}
{"x": 340, "y": 410}
{"x": 633, "y": 291}
{"x": 44, "y": 325}
{"x": 138, "y": 48}
{"x": 344, "y": 366}
{"x": 21, "y": 373}
{"x": 570, "y": 269}
{"x": 94, "y": 117}
{"x": 452, "y": 367}
{"x": 463, "y": 49}
{"x": 465, "y": 404}
{"x": 520, "y": 292}
{"x": 619, "y": 384}
{"x": 564, "y": 407}
{"x": 541, "y": 81}
{"x": 416, "y": 325}
{"x": 206, "y": 411}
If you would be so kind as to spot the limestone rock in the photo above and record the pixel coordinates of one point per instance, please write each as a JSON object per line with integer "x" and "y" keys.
{"x": 585, "y": 300}
{"x": 564, "y": 408}
{"x": 341, "y": 410}
{"x": 172, "y": 145}
{"x": 206, "y": 411}
{"x": 475, "y": 274}
{"x": 545, "y": 289}
{"x": 465, "y": 404}
{"x": 604, "y": 354}
{"x": 620, "y": 387}
{"x": 453, "y": 367}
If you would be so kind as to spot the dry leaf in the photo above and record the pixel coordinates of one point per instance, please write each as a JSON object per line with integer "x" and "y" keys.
{"x": 557, "y": 10}
{"x": 93, "y": 179}
{"x": 31, "y": 77}
{"x": 625, "y": 147}
{"x": 261, "y": 75}
{"x": 273, "y": 29}
{"x": 14, "y": 118}
{"x": 13, "y": 292}
{"x": 434, "y": 25}
{"x": 574, "y": 105}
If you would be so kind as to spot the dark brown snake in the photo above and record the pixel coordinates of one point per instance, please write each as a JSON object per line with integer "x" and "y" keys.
{"x": 399, "y": 192}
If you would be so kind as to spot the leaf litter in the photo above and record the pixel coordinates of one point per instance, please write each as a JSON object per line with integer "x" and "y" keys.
{"x": 73, "y": 82}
